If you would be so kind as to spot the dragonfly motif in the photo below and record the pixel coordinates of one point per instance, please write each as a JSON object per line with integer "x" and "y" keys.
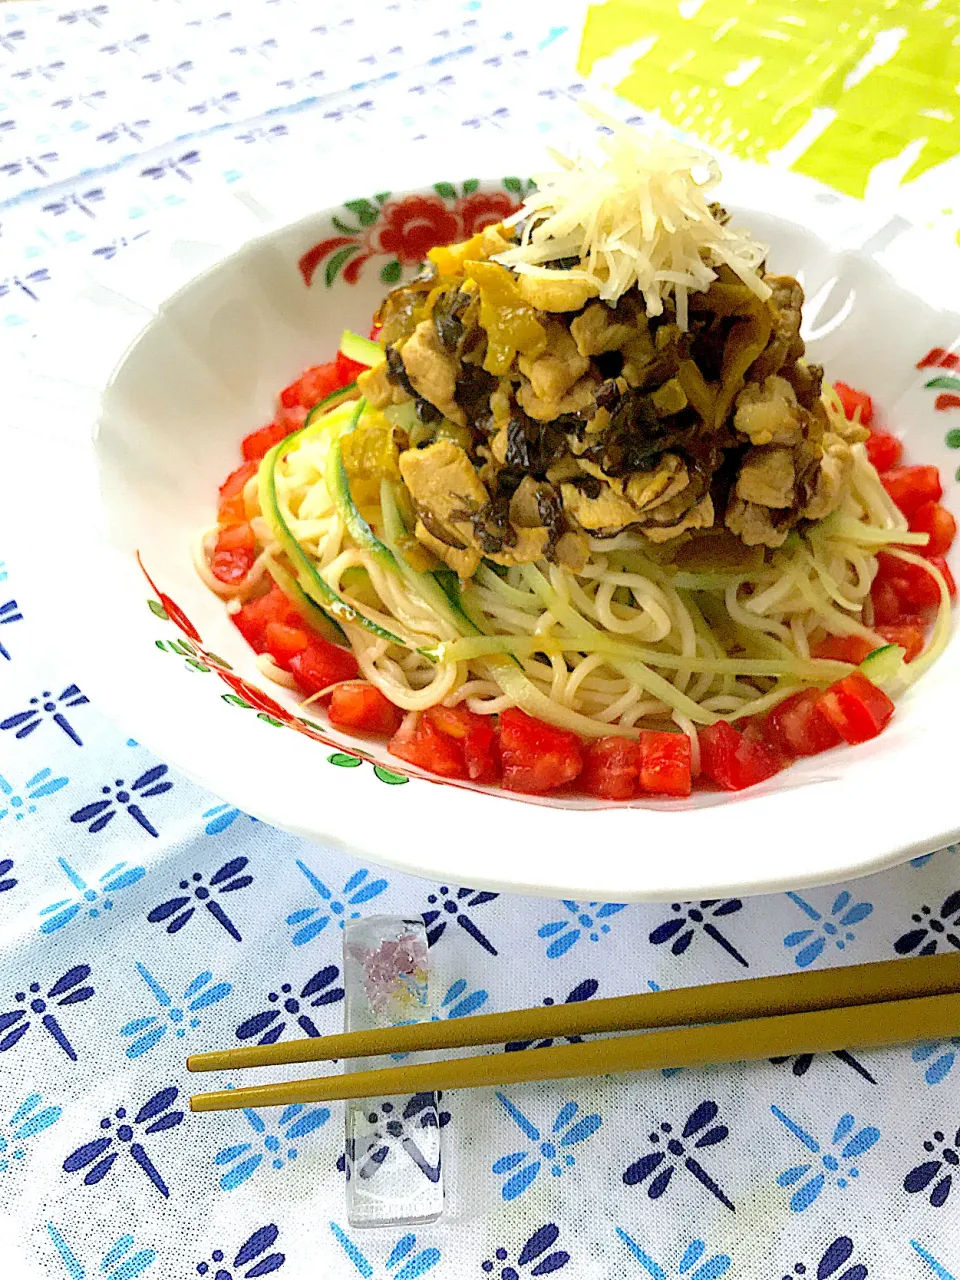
{"x": 150, "y": 1030}
{"x": 134, "y": 45}
{"x": 254, "y": 1247}
{"x": 100, "y": 812}
{"x": 132, "y": 130}
{"x": 176, "y": 72}
{"x": 271, "y": 1023}
{"x": 119, "y": 876}
{"x": 402, "y": 1264}
{"x": 420, "y": 1118}
{"x": 81, "y": 201}
{"x": 583, "y": 991}
{"x": 69, "y": 989}
{"x": 313, "y": 920}
{"x": 448, "y": 904}
{"x": 25, "y": 1122}
{"x": 172, "y": 164}
{"x": 9, "y": 612}
{"x": 7, "y": 881}
{"x": 279, "y": 1148}
{"x": 26, "y": 721}
{"x": 117, "y": 1262}
{"x": 19, "y": 802}
{"x": 155, "y": 1116}
{"x": 226, "y": 879}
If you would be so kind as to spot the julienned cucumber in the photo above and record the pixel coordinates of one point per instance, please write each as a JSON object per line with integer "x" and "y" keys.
{"x": 313, "y": 585}
{"x": 884, "y": 665}
{"x": 311, "y": 613}
{"x": 363, "y": 350}
{"x": 426, "y": 585}
{"x": 329, "y": 402}
{"x": 338, "y": 485}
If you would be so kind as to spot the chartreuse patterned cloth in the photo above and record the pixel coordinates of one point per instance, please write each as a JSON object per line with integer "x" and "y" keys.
{"x": 142, "y": 918}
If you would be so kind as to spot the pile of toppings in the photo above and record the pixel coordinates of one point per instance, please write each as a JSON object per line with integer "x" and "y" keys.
{"x": 637, "y": 217}
{"x": 529, "y": 414}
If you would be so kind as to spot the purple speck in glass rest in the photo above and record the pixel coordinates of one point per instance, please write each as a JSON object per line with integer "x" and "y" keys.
{"x": 393, "y": 1145}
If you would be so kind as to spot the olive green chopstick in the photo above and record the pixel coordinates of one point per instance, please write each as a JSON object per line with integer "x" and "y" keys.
{"x": 749, "y": 998}
{"x": 823, "y": 1031}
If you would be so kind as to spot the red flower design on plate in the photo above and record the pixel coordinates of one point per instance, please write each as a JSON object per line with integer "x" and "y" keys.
{"x": 483, "y": 210}
{"x": 412, "y": 226}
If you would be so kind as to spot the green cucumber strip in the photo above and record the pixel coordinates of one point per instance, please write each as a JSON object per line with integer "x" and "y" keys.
{"x": 363, "y": 350}
{"x": 884, "y": 665}
{"x": 327, "y": 403}
{"x": 314, "y": 617}
{"x": 338, "y": 486}
{"x": 313, "y": 585}
{"x": 427, "y": 585}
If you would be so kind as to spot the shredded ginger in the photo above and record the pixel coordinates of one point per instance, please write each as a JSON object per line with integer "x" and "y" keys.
{"x": 638, "y": 215}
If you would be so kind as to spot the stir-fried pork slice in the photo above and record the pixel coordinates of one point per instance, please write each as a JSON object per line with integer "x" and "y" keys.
{"x": 432, "y": 372}
{"x": 767, "y": 476}
{"x": 768, "y": 413}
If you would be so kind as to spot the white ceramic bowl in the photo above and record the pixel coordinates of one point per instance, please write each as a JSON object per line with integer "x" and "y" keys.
{"x": 204, "y": 369}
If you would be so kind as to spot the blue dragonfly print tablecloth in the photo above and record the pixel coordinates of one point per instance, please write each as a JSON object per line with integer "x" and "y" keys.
{"x": 141, "y": 918}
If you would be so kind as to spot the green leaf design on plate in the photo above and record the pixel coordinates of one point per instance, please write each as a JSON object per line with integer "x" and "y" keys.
{"x": 367, "y": 213}
{"x": 342, "y": 226}
{"x": 236, "y": 701}
{"x": 344, "y": 761}
{"x": 184, "y": 647}
{"x": 513, "y": 184}
{"x": 943, "y": 383}
{"x": 158, "y": 610}
{"x": 388, "y": 776}
{"x": 382, "y": 197}
{"x": 953, "y": 439}
{"x": 390, "y": 274}
{"x": 336, "y": 262}
{"x": 194, "y": 665}
{"x": 161, "y": 644}
{"x": 470, "y": 186}
{"x": 445, "y": 189}
{"x": 262, "y": 715}
{"x": 221, "y": 662}
{"x": 311, "y": 723}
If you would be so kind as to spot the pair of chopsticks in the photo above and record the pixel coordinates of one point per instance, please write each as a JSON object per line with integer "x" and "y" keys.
{"x": 856, "y": 1007}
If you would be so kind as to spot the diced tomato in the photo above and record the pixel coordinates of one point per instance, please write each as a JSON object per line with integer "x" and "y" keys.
{"x": 259, "y": 443}
{"x": 357, "y": 704}
{"x": 856, "y": 708}
{"x": 322, "y": 664}
{"x": 347, "y": 369}
{"x": 908, "y": 636}
{"x": 611, "y": 768}
{"x": 537, "y": 757}
{"x": 936, "y": 521}
{"x": 476, "y": 736}
{"x": 852, "y": 649}
{"x": 292, "y": 419}
{"x": 911, "y": 487}
{"x": 853, "y": 400}
{"x": 888, "y": 611}
{"x": 282, "y": 641}
{"x": 320, "y": 381}
{"x": 231, "y": 509}
{"x": 883, "y": 449}
{"x": 915, "y": 588}
{"x": 948, "y": 576}
{"x": 794, "y": 728}
{"x": 665, "y": 763}
{"x": 290, "y": 396}
{"x": 734, "y": 761}
{"x": 419, "y": 742}
{"x": 234, "y": 554}
{"x": 251, "y": 619}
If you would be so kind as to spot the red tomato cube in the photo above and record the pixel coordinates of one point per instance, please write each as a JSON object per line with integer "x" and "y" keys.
{"x": 856, "y": 708}
{"x": 665, "y": 763}
{"x": 537, "y": 757}
{"x": 948, "y": 576}
{"x": 733, "y": 761}
{"x": 234, "y": 554}
{"x": 911, "y": 487}
{"x": 907, "y": 635}
{"x": 348, "y": 370}
{"x": 322, "y": 664}
{"x": 418, "y": 742}
{"x": 611, "y": 768}
{"x": 282, "y": 640}
{"x": 231, "y": 509}
{"x": 884, "y": 450}
{"x": 259, "y": 443}
{"x": 477, "y": 738}
{"x": 854, "y": 400}
{"x": 852, "y": 649}
{"x": 938, "y": 523}
{"x": 357, "y": 704}
{"x": 794, "y": 728}
{"x": 915, "y": 587}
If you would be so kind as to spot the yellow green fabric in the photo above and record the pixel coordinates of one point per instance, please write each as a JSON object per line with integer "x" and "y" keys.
{"x": 838, "y": 87}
